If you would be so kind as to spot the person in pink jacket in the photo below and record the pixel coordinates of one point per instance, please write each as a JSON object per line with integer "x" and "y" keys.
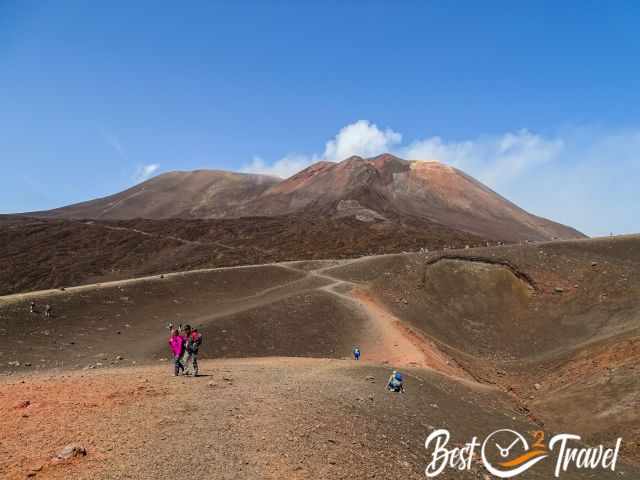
{"x": 176, "y": 342}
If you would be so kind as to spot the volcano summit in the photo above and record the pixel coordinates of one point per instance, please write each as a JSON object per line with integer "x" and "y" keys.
{"x": 379, "y": 189}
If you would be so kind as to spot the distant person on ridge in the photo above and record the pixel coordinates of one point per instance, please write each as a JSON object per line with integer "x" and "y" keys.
{"x": 32, "y": 307}
{"x": 356, "y": 353}
{"x": 396, "y": 384}
{"x": 176, "y": 343}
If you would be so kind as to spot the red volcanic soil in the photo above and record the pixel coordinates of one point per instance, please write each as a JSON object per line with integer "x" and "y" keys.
{"x": 556, "y": 324}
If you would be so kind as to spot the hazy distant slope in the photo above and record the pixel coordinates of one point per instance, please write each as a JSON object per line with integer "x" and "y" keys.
{"x": 197, "y": 194}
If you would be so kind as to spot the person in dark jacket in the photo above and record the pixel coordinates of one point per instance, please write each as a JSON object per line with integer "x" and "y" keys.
{"x": 194, "y": 340}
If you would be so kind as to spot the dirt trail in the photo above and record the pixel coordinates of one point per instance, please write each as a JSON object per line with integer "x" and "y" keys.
{"x": 386, "y": 340}
{"x": 389, "y": 340}
{"x": 396, "y": 343}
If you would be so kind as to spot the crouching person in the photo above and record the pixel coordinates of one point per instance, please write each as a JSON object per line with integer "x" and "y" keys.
{"x": 396, "y": 383}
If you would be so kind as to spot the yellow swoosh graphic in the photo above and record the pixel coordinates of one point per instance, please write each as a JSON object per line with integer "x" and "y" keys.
{"x": 522, "y": 458}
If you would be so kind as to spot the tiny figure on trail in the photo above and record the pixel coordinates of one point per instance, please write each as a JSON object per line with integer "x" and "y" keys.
{"x": 396, "y": 383}
{"x": 193, "y": 345}
{"x": 47, "y": 311}
{"x": 176, "y": 343}
{"x": 32, "y": 307}
{"x": 356, "y": 353}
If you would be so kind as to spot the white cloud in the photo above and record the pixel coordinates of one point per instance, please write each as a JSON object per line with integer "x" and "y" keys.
{"x": 360, "y": 138}
{"x": 114, "y": 142}
{"x": 144, "y": 172}
{"x": 283, "y": 168}
{"x": 494, "y": 160}
{"x": 583, "y": 177}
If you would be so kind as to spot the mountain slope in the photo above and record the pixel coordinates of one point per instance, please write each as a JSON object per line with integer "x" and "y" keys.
{"x": 392, "y": 187}
{"x": 379, "y": 189}
{"x": 197, "y": 194}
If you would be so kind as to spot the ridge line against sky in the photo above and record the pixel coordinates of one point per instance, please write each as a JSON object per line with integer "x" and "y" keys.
{"x": 537, "y": 100}
{"x": 564, "y": 177}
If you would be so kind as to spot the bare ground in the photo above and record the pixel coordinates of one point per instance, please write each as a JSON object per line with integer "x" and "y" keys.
{"x": 528, "y": 337}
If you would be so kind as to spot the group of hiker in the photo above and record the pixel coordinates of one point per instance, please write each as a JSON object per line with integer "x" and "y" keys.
{"x": 185, "y": 343}
{"x": 395, "y": 382}
{"x": 34, "y": 309}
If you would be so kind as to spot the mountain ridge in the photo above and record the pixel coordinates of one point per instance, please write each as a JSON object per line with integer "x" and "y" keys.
{"x": 376, "y": 189}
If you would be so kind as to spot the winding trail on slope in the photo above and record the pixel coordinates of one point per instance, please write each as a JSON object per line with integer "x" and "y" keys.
{"x": 385, "y": 340}
{"x": 389, "y": 340}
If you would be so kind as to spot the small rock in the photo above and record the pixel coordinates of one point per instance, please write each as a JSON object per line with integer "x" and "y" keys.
{"x": 537, "y": 386}
{"x": 558, "y": 289}
{"x": 212, "y": 384}
{"x": 119, "y": 358}
{"x": 71, "y": 450}
{"x": 22, "y": 404}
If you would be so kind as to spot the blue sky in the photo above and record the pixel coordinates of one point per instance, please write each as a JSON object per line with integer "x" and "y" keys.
{"x": 538, "y": 99}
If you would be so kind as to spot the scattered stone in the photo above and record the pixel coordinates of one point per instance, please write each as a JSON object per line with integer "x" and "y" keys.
{"x": 371, "y": 378}
{"x": 212, "y": 384}
{"x": 118, "y": 358}
{"x": 22, "y": 404}
{"x": 537, "y": 386}
{"x": 15, "y": 363}
{"x": 70, "y": 451}
{"x": 502, "y": 373}
{"x": 594, "y": 264}
{"x": 27, "y": 364}
{"x": 558, "y": 290}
